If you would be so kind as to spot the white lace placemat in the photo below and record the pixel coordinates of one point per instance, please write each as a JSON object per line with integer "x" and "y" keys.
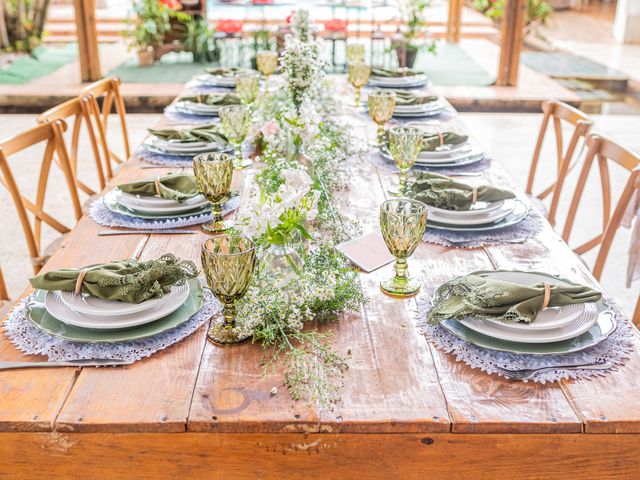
{"x": 31, "y": 340}
{"x": 103, "y": 216}
{"x": 177, "y": 161}
{"x": 174, "y": 116}
{"x": 614, "y": 350}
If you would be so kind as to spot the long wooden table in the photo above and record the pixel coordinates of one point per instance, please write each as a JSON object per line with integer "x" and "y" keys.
{"x": 408, "y": 410}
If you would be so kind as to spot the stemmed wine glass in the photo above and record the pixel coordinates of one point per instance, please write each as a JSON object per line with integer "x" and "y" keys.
{"x": 381, "y": 105}
{"x": 403, "y": 223}
{"x": 228, "y": 262}
{"x": 355, "y": 52}
{"x": 248, "y": 86}
{"x": 267, "y": 62}
{"x": 405, "y": 144}
{"x": 236, "y": 121}
{"x": 359, "y": 73}
{"x": 213, "y": 172}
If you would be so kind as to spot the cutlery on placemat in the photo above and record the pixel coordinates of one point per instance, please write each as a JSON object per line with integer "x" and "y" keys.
{"x": 110, "y": 362}
{"x": 527, "y": 374}
{"x": 172, "y": 231}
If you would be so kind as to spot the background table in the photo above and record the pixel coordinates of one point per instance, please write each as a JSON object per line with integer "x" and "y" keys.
{"x": 407, "y": 411}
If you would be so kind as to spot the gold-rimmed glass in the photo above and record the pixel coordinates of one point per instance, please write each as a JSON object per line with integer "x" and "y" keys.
{"x": 214, "y": 172}
{"x": 359, "y": 73}
{"x": 355, "y": 52}
{"x": 381, "y": 105}
{"x": 247, "y": 87}
{"x": 267, "y": 63}
{"x": 405, "y": 144}
{"x": 403, "y": 223}
{"x": 236, "y": 121}
{"x": 228, "y": 262}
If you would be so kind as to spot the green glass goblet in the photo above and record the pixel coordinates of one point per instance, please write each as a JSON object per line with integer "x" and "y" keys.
{"x": 267, "y": 63}
{"x": 355, "y": 52}
{"x": 405, "y": 144}
{"x": 228, "y": 262}
{"x": 236, "y": 121}
{"x": 213, "y": 172}
{"x": 358, "y": 76}
{"x": 248, "y": 86}
{"x": 403, "y": 223}
{"x": 381, "y": 105}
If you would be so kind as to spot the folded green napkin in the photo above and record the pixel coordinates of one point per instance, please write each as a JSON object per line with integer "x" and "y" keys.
{"x": 407, "y": 98}
{"x": 478, "y": 296}
{"x": 179, "y": 187}
{"x": 444, "y": 192}
{"x": 225, "y": 71}
{"x": 393, "y": 72}
{"x": 202, "y": 133}
{"x": 213, "y": 99}
{"x": 122, "y": 280}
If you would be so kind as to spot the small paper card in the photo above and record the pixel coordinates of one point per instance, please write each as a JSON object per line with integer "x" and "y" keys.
{"x": 367, "y": 253}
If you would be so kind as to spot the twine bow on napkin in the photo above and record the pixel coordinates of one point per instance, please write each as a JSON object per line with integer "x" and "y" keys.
{"x": 481, "y": 296}
{"x": 176, "y": 186}
{"x": 444, "y": 192}
{"x": 204, "y": 133}
{"x": 409, "y": 98}
{"x": 128, "y": 281}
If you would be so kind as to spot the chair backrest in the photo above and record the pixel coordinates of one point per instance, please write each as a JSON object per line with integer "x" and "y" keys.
{"x": 79, "y": 109}
{"x": 51, "y": 135}
{"x": 559, "y": 112}
{"x": 108, "y": 91}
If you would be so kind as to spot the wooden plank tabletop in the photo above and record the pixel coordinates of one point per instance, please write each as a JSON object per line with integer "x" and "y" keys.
{"x": 396, "y": 382}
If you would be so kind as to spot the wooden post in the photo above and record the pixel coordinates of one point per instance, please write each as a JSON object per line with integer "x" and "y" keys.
{"x": 87, "y": 40}
{"x": 4, "y": 34}
{"x": 511, "y": 42}
{"x": 454, "y": 20}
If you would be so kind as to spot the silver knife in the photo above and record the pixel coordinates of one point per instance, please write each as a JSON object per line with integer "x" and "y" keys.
{"x": 170, "y": 231}
{"x": 110, "y": 362}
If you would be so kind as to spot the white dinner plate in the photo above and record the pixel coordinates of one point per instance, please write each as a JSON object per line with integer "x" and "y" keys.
{"x": 176, "y": 207}
{"x": 489, "y": 217}
{"x": 110, "y": 200}
{"x": 454, "y": 149}
{"x": 217, "y": 80}
{"x": 58, "y": 304}
{"x": 152, "y": 143}
{"x": 200, "y": 107}
{"x": 399, "y": 82}
{"x": 191, "y": 111}
{"x": 426, "y": 113}
{"x": 453, "y": 157}
{"x": 423, "y": 107}
{"x": 148, "y": 201}
{"x": 479, "y": 208}
{"x": 519, "y": 213}
{"x": 89, "y": 305}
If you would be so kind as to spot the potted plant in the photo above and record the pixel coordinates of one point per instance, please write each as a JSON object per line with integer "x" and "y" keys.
{"x": 152, "y": 21}
{"x": 405, "y": 42}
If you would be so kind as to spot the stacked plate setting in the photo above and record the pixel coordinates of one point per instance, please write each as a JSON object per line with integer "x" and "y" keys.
{"x": 154, "y": 207}
{"x": 88, "y": 319}
{"x": 556, "y": 330}
{"x": 429, "y": 109}
{"x": 196, "y": 108}
{"x": 182, "y": 149}
{"x": 227, "y": 81}
{"x": 483, "y": 216}
{"x": 445, "y": 157}
{"x": 409, "y": 81}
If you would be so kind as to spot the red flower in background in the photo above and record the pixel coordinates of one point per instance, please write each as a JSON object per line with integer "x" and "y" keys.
{"x": 229, "y": 26}
{"x": 290, "y": 17}
{"x": 262, "y": 2}
{"x": 336, "y": 25}
{"x": 171, "y": 4}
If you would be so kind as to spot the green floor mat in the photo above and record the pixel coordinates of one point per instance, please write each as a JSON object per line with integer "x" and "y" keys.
{"x": 452, "y": 65}
{"x": 45, "y": 60}
{"x": 566, "y": 65}
{"x": 172, "y": 68}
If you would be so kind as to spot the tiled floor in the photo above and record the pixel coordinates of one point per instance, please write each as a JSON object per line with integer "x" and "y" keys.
{"x": 508, "y": 137}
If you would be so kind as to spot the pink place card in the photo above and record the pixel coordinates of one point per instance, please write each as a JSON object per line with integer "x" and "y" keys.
{"x": 368, "y": 253}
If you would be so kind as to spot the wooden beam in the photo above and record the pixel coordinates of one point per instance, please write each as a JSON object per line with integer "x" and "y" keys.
{"x": 511, "y": 42}
{"x": 454, "y": 20}
{"x": 85, "y": 17}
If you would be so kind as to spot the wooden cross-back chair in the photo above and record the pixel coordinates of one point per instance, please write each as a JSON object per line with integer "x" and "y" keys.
{"x": 79, "y": 109}
{"x": 558, "y": 112}
{"x": 603, "y": 150}
{"x": 107, "y": 91}
{"x": 4, "y": 295}
{"x": 51, "y": 135}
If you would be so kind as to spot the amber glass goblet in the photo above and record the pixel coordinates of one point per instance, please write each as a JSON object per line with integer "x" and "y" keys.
{"x": 236, "y": 121}
{"x": 228, "y": 262}
{"x": 405, "y": 144}
{"x": 403, "y": 223}
{"x": 213, "y": 172}
{"x": 359, "y": 73}
{"x": 355, "y": 52}
{"x": 381, "y": 105}
{"x": 247, "y": 87}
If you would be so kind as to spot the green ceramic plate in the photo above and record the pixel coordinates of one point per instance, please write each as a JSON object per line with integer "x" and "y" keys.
{"x": 604, "y": 327}
{"x": 111, "y": 202}
{"x": 46, "y": 322}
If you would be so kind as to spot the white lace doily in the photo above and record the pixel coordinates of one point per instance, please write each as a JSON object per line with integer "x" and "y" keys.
{"x": 163, "y": 159}
{"x": 31, "y": 340}
{"x": 614, "y": 350}
{"x": 103, "y": 216}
